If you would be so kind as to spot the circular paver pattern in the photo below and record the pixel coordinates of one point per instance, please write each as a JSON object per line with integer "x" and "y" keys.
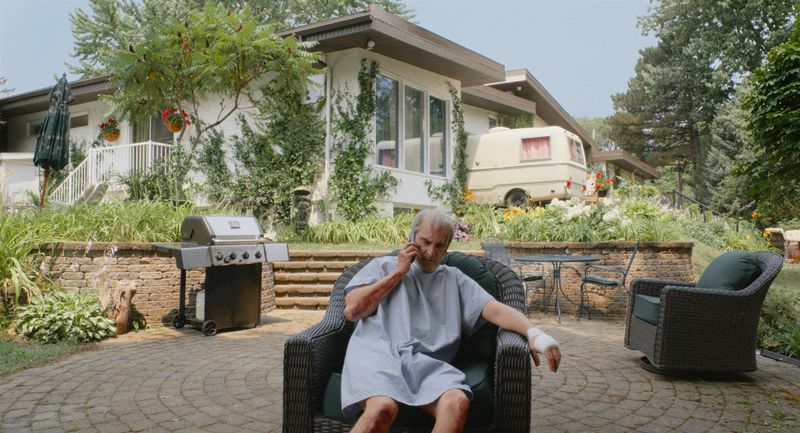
{"x": 167, "y": 380}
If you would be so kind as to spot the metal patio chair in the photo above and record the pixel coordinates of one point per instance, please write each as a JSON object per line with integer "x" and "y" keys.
{"x": 494, "y": 249}
{"x": 592, "y": 276}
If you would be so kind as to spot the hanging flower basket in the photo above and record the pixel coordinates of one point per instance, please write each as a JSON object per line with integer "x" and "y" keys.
{"x": 109, "y": 130}
{"x": 175, "y": 119}
{"x": 174, "y": 127}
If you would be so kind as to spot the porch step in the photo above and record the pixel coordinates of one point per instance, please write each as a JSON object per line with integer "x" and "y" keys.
{"x": 306, "y": 281}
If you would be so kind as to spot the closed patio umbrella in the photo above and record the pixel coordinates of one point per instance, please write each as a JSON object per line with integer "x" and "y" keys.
{"x": 52, "y": 143}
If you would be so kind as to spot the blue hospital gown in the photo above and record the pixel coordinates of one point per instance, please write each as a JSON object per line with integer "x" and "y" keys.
{"x": 403, "y": 350}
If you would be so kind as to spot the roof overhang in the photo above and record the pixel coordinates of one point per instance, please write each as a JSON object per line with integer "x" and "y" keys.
{"x": 520, "y": 82}
{"x": 497, "y": 101}
{"x": 85, "y": 90}
{"x": 394, "y": 37}
{"x": 626, "y": 161}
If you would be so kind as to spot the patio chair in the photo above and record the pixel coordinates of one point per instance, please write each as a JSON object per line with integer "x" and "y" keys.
{"x": 497, "y": 364}
{"x": 591, "y": 277}
{"x": 709, "y": 326}
{"x": 494, "y": 249}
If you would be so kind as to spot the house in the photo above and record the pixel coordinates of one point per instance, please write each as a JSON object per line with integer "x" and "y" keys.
{"x": 413, "y": 139}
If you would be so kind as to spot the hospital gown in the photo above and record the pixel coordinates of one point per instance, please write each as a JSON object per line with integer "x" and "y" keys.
{"x": 403, "y": 350}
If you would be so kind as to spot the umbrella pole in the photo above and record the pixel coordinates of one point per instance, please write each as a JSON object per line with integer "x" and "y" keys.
{"x": 44, "y": 187}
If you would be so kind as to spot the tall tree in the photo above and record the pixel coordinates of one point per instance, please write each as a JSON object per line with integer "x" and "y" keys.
{"x": 774, "y": 123}
{"x": 112, "y": 24}
{"x": 704, "y": 49}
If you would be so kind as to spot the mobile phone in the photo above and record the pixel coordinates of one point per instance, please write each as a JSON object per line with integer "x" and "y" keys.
{"x": 411, "y": 239}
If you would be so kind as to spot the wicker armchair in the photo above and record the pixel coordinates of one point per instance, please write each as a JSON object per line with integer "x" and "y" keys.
{"x": 313, "y": 355}
{"x": 701, "y": 330}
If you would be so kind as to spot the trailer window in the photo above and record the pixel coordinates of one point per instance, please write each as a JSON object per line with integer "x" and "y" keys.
{"x": 576, "y": 151}
{"x": 535, "y": 148}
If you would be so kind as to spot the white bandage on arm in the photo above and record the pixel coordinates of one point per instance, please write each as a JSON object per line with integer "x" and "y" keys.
{"x": 543, "y": 341}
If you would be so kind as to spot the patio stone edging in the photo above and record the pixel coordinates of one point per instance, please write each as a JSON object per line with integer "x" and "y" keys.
{"x": 81, "y": 266}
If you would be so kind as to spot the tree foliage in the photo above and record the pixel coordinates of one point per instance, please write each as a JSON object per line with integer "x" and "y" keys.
{"x": 211, "y": 54}
{"x": 355, "y": 185}
{"x": 112, "y": 24}
{"x": 774, "y": 122}
{"x": 705, "y": 48}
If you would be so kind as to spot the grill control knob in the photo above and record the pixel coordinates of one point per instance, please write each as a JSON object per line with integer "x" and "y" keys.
{"x": 258, "y": 254}
{"x": 218, "y": 256}
{"x": 227, "y": 260}
{"x": 232, "y": 255}
{"x": 245, "y": 255}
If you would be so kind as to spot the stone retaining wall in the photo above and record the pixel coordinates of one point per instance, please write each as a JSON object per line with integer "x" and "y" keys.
{"x": 664, "y": 260}
{"x": 83, "y": 267}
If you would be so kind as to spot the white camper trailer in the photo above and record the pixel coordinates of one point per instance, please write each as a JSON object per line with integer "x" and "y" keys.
{"x": 515, "y": 166}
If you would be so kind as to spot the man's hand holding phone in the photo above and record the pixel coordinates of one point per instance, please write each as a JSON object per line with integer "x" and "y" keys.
{"x": 407, "y": 254}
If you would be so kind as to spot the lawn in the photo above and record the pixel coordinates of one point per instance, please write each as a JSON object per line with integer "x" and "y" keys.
{"x": 16, "y": 355}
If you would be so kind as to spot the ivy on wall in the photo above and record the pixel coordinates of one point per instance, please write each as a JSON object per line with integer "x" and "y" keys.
{"x": 354, "y": 184}
{"x": 452, "y": 193}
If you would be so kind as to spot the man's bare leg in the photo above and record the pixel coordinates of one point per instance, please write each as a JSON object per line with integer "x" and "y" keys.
{"x": 450, "y": 411}
{"x": 379, "y": 414}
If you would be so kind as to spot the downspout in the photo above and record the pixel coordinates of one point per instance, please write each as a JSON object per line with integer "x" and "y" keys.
{"x": 328, "y": 139}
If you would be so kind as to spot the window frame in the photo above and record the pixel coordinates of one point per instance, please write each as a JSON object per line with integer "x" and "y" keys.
{"x": 426, "y": 122}
{"x": 573, "y": 146}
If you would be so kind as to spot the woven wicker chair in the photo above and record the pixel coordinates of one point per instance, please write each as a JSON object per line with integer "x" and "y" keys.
{"x": 701, "y": 330}
{"x": 311, "y": 356}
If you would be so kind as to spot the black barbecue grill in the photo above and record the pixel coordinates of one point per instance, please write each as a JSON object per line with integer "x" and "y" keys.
{"x": 232, "y": 250}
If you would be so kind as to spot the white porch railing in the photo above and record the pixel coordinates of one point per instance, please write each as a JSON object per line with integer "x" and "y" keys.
{"x": 108, "y": 164}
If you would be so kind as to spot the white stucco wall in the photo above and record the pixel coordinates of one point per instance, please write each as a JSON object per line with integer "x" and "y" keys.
{"x": 476, "y": 120}
{"x": 18, "y": 175}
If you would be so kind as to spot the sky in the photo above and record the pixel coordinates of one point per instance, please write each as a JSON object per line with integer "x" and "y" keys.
{"x": 582, "y": 51}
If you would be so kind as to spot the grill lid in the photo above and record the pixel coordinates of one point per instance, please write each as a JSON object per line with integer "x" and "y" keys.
{"x": 208, "y": 230}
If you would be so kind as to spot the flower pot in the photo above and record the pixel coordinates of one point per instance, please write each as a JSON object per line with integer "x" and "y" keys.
{"x": 174, "y": 127}
{"x": 602, "y": 192}
{"x": 111, "y": 136}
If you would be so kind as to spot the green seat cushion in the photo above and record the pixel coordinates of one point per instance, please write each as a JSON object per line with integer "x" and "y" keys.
{"x": 647, "y": 308}
{"x": 481, "y": 344}
{"x": 602, "y": 280}
{"x": 731, "y": 271}
{"x": 479, "y": 377}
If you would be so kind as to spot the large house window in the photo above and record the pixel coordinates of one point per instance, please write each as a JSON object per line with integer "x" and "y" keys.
{"x": 386, "y": 94}
{"x": 414, "y": 107}
{"x": 437, "y": 139}
{"x": 534, "y": 148}
{"x": 416, "y": 141}
{"x": 34, "y": 128}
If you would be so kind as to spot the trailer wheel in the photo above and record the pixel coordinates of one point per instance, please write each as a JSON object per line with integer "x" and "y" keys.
{"x": 178, "y": 321}
{"x": 517, "y": 198}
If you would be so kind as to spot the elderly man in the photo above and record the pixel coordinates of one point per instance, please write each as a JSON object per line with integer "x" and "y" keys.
{"x": 411, "y": 312}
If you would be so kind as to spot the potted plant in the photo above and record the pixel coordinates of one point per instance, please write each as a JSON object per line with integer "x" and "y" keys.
{"x": 109, "y": 130}
{"x": 602, "y": 184}
{"x": 175, "y": 119}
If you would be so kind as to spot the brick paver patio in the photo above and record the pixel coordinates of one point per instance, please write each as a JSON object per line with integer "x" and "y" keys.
{"x": 166, "y": 380}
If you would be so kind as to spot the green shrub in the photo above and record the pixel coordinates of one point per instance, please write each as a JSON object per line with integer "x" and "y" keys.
{"x": 373, "y": 229}
{"x": 63, "y": 316}
{"x": 778, "y": 325}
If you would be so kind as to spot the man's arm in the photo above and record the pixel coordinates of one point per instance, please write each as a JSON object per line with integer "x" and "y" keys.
{"x": 363, "y": 301}
{"x": 508, "y": 318}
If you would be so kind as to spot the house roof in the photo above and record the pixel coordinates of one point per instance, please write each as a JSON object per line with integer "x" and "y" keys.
{"x": 497, "y": 100}
{"x": 397, "y": 38}
{"x": 84, "y": 90}
{"x": 626, "y": 161}
{"x": 522, "y": 83}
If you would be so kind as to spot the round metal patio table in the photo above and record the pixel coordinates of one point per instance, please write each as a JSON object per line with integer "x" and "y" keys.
{"x": 557, "y": 260}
